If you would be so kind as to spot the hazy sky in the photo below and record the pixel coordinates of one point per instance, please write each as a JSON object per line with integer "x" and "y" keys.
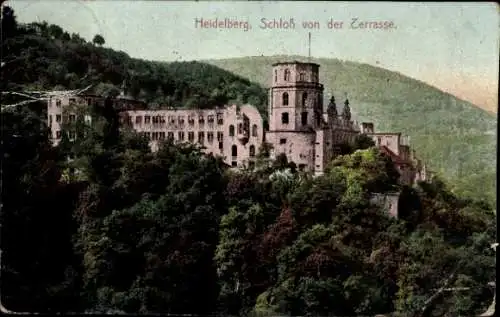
{"x": 454, "y": 46}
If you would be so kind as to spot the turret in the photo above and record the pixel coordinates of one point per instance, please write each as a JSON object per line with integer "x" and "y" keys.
{"x": 331, "y": 110}
{"x": 346, "y": 113}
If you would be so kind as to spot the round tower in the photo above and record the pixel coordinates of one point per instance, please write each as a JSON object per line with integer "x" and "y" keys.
{"x": 296, "y": 97}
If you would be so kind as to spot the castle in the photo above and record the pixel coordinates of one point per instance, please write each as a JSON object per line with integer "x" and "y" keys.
{"x": 299, "y": 125}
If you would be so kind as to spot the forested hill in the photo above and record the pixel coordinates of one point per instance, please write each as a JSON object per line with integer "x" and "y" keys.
{"x": 455, "y": 138}
{"x": 121, "y": 229}
{"x": 52, "y": 58}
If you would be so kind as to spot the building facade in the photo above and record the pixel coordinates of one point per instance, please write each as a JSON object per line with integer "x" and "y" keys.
{"x": 309, "y": 134}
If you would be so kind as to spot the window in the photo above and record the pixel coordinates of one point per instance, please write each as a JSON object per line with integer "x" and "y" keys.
{"x": 190, "y": 136}
{"x": 210, "y": 119}
{"x": 201, "y": 137}
{"x": 71, "y": 135}
{"x": 302, "y": 167}
{"x": 50, "y": 119}
{"x": 170, "y": 135}
{"x": 220, "y": 119}
{"x": 275, "y": 75}
{"x": 231, "y": 130}
{"x": 252, "y": 151}
{"x": 58, "y": 118}
{"x": 148, "y": 135}
{"x": 191, "y": 121}
{"x": 181, "y": 135}
{"x": 285, "y": 99}
{"x": 147, "y": 119}
{"x": 201, "y": 120}
{"x": 181, "y": 120}
{"x": 304, "y": 99}
{"x": 89, "y": 102}
{"x": 138, "y": 120}
{"x": 72, "y": 118}
{"x": 171, "y": 120}
{"x": 302, "y": 77}
{"x": 379, "y": 140}
{"x": 303, "y": 118}
{"x": 72, "y": 101}
{"x": 240, "y": 128}
{"x": 254, "y": 130}
{"x": 58, "y": 103}
{"x": 58, "y": 134}
{"x": 220, "y": 136}
{"x": 210, "y": 137}
{"x": 234, "y": 151}
{"x": 251, "y": 164}
{"x": 282, "y": 141}
{"x": 221, "y": 145}
{"x": 284, "y": 118}
{"x": 234, "y": 164}
{"x": 287, "y": 74}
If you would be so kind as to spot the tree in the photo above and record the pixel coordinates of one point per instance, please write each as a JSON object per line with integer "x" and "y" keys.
{"x": 55, "y": 31}
{"x": 98, "y": 40}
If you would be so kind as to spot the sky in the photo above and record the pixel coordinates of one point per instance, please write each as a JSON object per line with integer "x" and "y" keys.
{"x": 453, "y": 46}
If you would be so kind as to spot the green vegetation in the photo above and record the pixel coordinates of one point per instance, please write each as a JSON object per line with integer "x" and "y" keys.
{"x": 455, "y": 138}
{"x": 121, "y": 229}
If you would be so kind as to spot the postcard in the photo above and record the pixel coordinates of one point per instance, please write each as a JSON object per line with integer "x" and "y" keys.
{"x": 250, "y": 158}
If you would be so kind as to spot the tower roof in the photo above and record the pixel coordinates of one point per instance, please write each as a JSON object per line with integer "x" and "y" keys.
{"x": 295, "y": 62}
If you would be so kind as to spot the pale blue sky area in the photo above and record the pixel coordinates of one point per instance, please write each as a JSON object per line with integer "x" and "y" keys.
{"x": 441, "y": 43}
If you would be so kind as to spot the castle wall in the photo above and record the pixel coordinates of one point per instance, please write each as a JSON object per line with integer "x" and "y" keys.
{"x": 297, "y": 146}
{"x": 235, "y": 134}
{"x": 323, "y": 150}
{"x": 390, "y": 140}
{"x": 389, "y": 202}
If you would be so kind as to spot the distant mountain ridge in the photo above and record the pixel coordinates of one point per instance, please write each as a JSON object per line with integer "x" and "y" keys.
{"x": 455, "y": 137}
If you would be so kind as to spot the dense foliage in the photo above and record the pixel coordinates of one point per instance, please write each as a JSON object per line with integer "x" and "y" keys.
{"x": 121, "y": 229}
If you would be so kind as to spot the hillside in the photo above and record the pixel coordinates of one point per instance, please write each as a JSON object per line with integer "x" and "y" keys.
{"x": 57, "y": 60}
{"x": 453, "y": 136}
{"x": 122, "y": 229}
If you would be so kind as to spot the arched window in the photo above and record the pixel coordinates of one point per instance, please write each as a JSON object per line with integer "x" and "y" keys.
{"x": 287, "y": 74}
{"x": 254, "y": 130}
{"x": 231, "y": 130}
{"x": 304, "y": 99}
{"x": 234, "y": 150}
{"x": 252, "y": 150}
{"x": 285, "y": 99}
{"x": 275, "y": 75}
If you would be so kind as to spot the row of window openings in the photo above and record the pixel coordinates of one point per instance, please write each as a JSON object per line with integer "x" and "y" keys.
{"x": 71, "y": 135}
{"x": 286, "y": 76}
{"x": 72, "y": 101}
{"x": 72, "y": 118}
{"x": 171, "y": 120}
{"x": 285, "y": 99}
{"x": 285, "y": 118}
{"x": 201, "y": 139}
